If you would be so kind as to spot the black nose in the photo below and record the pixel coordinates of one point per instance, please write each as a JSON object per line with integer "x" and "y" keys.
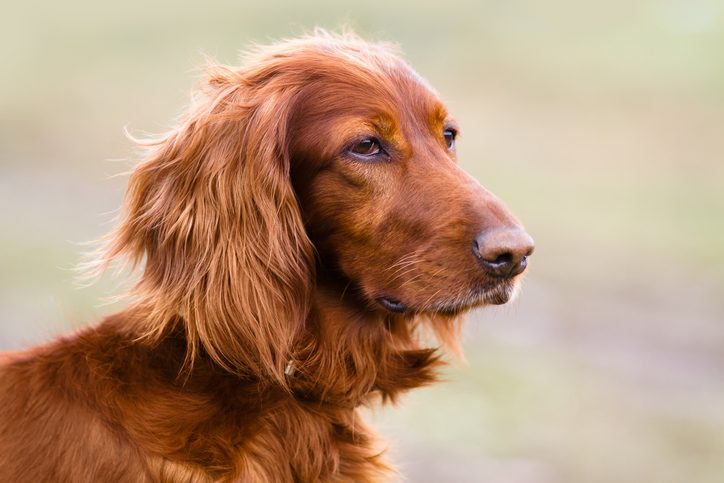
{"x": 503, "y": 252}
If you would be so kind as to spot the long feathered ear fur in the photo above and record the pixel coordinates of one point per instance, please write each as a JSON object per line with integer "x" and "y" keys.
{"x": 212, "y": 216}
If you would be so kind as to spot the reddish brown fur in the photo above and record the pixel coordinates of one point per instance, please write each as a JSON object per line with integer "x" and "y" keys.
{"x": 255, "y": 331}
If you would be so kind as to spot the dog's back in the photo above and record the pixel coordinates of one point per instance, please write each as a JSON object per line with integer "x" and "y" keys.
{"x": 51, "y": 428}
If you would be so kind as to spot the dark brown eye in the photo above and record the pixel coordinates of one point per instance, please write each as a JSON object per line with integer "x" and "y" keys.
{"x": 450, "y": 135}
{"x": 367, "y": 147}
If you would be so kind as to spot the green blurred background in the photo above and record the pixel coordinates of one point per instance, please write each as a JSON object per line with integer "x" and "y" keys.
{"x": 602, "y": 126}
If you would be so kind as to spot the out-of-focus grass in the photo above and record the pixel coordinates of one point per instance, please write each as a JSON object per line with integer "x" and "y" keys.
{"x": 540, "y": 415}
{"x": 599, "y": 124}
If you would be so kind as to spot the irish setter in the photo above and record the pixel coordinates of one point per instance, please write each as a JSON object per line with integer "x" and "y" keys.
{"x": 295, "y": 232}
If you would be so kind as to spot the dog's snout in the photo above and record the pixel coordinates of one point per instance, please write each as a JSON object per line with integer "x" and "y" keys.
{"x": 503, "y": 252}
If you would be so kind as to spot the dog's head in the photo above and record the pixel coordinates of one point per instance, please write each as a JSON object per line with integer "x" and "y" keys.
{"x": 326, "y": 145}
{"x": 387, "y": 206}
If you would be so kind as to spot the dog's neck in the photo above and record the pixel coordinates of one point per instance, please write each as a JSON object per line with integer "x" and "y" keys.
{"x": 348, "y": 354}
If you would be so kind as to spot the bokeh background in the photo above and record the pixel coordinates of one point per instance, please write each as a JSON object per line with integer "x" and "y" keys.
{"x": 600, "y": 123}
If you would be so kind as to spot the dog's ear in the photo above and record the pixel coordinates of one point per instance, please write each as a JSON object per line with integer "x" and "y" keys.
{"x": 212, "y": 214}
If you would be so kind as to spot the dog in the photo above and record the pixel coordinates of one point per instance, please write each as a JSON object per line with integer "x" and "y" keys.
{"x": 293, "y": 235}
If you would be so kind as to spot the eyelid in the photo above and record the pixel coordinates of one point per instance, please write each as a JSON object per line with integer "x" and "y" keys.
{"x": 361, "y": 139}
{"x": 348, "y": 150}
{"x": 454, "y": 129}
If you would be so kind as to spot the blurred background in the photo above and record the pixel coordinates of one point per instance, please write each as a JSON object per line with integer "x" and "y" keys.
{"x": 600, "y": 123}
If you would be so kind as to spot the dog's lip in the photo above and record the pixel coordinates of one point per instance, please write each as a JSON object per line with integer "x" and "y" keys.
{"x": 392, "y": 305}
{"x": 497, "y": 294}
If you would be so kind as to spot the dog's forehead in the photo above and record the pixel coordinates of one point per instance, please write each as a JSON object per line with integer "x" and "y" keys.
{"x": 410, "y": 95}
{"x": 381, "y": 68}
{"x": 405, "y": 95}
{"x": 417, "y": 102}
{"x": 352, "y": 90}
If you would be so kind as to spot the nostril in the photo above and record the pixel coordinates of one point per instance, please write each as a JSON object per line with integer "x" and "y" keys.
{"x": 520, "y": 266}
{"x": 502, "y": 259}
{"x": 503, "y": 265}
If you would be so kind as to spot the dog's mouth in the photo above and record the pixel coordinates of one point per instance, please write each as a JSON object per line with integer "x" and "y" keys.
{"x": 392, "y": 305}
{"x": 497, "y": 294}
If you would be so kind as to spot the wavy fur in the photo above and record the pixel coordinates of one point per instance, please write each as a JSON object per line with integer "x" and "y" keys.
{"x": 284, "y": 278}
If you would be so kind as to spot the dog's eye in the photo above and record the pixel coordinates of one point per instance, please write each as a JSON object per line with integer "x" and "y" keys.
{"x": 450, "y": 135}
{"x": 367, "y": 147}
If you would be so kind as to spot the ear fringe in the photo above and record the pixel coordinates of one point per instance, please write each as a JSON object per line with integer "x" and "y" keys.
{"x": 211, "y": 217}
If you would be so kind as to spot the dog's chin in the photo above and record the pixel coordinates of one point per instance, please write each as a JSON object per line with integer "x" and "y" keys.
{"x": 498, "y": 294}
